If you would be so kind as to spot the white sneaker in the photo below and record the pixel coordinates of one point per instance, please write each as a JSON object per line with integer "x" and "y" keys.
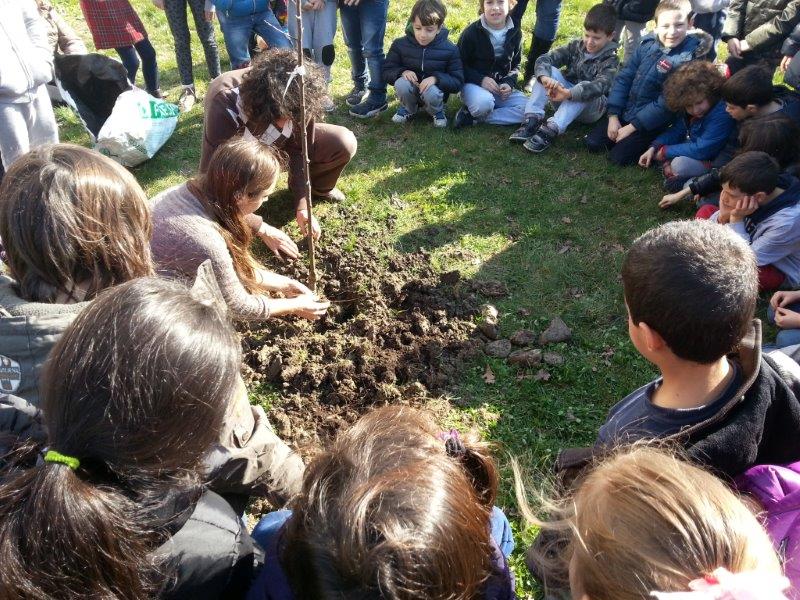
{"x": 187, "y": 99}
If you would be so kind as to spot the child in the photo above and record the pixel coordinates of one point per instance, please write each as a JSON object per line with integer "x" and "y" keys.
{"x": 258, "y": 102}
{"x": 424, "y": 67}
{"x": 697, "y": 136}
{"x": 134, "y": 394}
{"x": 644, "y": 524}
{"x": 115, "y": 24}
{"x": 73, "y": 223}
{"x": 750, "y": 93}
{"x": 393, "y": 509}
{"x": 632, "y": 16}
{"x": 784, "y": 311}
{"x": 636, "y": 110}
{"x": 26, "y": 115}
{"x": 754, "y": 32}
{"x": 691, "y": 289}
{"x": 211, "y": 217}
{"x": 491, "y": 49}
{"x": 179, "y": 27}
{"x": 763, "y": 208}
{"x": 239, "y": 19}
{"x": 581, "y": 91}
{"x": 789, "y": 66}
{"x": 363, "y": 28}
{"x": 319, "y": 29}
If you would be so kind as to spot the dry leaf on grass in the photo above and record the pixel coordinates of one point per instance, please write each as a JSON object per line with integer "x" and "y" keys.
{"x": 488, "y": 375}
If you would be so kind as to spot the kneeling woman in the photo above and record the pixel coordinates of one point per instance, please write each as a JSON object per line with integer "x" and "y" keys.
{"x": 211, "y": 217}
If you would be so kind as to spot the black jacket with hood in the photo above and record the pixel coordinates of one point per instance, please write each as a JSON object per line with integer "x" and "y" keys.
{"x": 440, "y": 59}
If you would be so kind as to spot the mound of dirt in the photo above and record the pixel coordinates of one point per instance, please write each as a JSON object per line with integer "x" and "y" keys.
{"x": 396, "y": 331}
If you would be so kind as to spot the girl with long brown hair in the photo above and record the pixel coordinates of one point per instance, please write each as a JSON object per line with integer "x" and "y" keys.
{"x": 73, "y": 223}
{"x": 211, "y": 217}
{"x": 135, "y": 393}
{"x": 395, "y": 509}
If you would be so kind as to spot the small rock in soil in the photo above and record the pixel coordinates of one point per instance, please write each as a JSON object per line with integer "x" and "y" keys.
{"x": 451, "y": 277}
{"x": 490, "y": 314}
{"x": 498, "y": 349}
{"x": 523, "y": 337}
{"x": 490, "y": 330}
{"x": 282, "y": 424}
{"x": 556, "y": 332}
{"x": 553, "y": 358}
{"x": 525, "y": 358}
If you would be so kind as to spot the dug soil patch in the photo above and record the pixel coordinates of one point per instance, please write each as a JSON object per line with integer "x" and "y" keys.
{"x": 396, "y": 332}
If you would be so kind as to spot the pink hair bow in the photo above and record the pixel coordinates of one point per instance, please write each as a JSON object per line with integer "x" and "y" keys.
{"x": 724, "y": 585}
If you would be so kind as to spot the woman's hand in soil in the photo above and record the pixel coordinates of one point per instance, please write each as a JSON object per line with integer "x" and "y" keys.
{"x": 787, "y": 319}
{"x": 310, "y": 307}
{"x": 647, "y": 158}
{"x": 780, "y": 299}
{"x": 301, "y": 216}
{"x": 294, "y": 288}
{"x": 669, "y": 199}
{"x": 277, "y": 241}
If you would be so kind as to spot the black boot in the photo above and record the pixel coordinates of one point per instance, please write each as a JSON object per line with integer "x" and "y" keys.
{"x": 538, "y": 47}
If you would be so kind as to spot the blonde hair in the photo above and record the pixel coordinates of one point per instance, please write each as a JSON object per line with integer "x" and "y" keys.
{"x": 644, "y": 520}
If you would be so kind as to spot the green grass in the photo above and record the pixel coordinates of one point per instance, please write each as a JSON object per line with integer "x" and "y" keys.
{"x": 553, "y": 227}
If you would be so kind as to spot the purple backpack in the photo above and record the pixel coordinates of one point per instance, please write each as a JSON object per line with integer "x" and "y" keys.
{"x": 777, "y": 489}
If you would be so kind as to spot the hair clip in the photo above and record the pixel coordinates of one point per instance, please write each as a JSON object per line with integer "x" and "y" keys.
{"x": 51, "y": 456}
{"x": 724, "y": 585}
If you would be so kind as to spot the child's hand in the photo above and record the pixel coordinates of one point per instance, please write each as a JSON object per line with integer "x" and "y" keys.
{"x": 646, "y": 159}
{"x": 548, "y": 82}
{"x": 490, "y": 85}
{"x": 277, "y": 241}
{"x": 744, "y": 207}
{"x": 670, "y": 199}
{"x": 613, "y": 128}
{"x": 787, "y": 319}
{"x": 301, "y": 217}
{"x": 410, "y": 76}
{"x": 426, "y": 83}
{"x": 624, "y": 132}
{"x": 780, "y": 299}
{"x": 785, "y": 63}
{"x": 735, "y": 47}
{"x": 559, "y": 93}
{"x": 504, "y": 90}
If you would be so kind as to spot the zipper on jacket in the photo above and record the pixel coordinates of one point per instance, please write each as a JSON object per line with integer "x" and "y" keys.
{"x": 424, "y": 49}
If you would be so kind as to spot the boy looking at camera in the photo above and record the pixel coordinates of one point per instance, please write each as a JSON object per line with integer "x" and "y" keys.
{"x": 423, "y": 65}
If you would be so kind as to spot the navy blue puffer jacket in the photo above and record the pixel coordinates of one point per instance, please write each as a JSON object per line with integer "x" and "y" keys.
{"x": 440, "y": 59}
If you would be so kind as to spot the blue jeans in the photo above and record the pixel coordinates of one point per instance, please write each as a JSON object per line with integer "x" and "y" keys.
{"x": 149, "y": 65}
{"x": 547, "y": 14}
{"x": 786, "y": 337}
{"x": 363, "y": 28}
{"x": 237, "y": 30}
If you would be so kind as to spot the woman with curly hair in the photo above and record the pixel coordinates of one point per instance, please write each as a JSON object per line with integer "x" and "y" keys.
{"x": 700, "y": 129}
{"x": 263, "y": 102}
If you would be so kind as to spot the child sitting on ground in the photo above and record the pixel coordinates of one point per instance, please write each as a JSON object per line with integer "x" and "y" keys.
{"x": 424, "y": 66}
{"x": 581, "y": 91}
{"x": 491, "y": 50}
{"x": 645, "y": 524}
{"x": 394, "y": 509}
{"x": 691, "y": 289}
{"x": 696, "y": 136}
{"x": 763, "y": 208}
{"x": 636, "y": 110}
{"x": 784, "y": 311}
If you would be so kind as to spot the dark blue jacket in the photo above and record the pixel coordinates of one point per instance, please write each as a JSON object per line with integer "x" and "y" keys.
{"x": 701, "y": 139}
{"x": 440, "y": 59}
{"x": 477, "y": 53}
{"x": 636, "y": 94}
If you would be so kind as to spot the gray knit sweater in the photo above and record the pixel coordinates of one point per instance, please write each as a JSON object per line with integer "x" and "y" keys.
{"x": 184, "y": 236}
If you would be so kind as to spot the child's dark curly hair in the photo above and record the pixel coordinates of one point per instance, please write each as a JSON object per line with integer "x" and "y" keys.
{"x": 262, "y": 89}
{"x": 691, "y": 83}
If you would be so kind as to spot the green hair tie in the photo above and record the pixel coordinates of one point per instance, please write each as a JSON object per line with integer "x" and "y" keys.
{"x": 51, "y": 456}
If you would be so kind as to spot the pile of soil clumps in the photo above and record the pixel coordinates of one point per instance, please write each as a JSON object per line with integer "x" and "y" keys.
{"x": 396, "y": 332}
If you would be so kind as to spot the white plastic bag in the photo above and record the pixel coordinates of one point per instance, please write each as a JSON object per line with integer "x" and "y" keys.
{"x": 138, "y": 126}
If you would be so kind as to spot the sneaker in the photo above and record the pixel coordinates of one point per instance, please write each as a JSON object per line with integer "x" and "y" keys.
{"x": 157, "y": 93}
{"x": 368, "y": 108}
{"x": 355, "y": 96}
{"x": 401, "y": 116}
{"x": 528, "y": 87}
{"x": 335, "y": 195}
{"x": 328, "y": 104}
{"x": 527, "y": 130}
{"x": 463, "y": 118}
{"x": 440, "y": 119}
{"x": 542, "y": 140}
{"x": 187, "y": 99}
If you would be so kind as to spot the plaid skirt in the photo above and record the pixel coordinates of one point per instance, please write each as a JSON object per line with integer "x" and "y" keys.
{"x": 113, "y": 23}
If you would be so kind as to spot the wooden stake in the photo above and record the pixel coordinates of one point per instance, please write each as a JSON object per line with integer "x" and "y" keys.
{"x": 312, "y": 269}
